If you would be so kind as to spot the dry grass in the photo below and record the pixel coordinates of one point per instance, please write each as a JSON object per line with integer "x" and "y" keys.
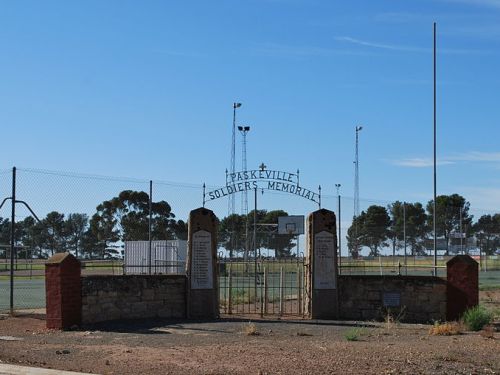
{"x": 250, "y": 329}
{"x": 446, "y": 329}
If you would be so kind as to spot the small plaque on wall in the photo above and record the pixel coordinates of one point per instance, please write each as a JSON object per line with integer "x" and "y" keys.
{"x": 391, "y": 299}
{"x": 201, "y": 263}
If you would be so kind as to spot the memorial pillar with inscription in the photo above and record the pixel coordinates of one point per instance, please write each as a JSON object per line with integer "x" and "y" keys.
{"x": 321, "y": 264}
{"x": 202, "y": 290}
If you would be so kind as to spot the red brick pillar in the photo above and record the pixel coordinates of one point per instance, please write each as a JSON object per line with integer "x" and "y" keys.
{"x": 462, "y": 291}
{"x": 63, "y": 291}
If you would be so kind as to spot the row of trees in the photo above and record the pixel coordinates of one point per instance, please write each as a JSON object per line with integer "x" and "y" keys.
{"x": 234, "y": 238}
{"x": 126, "y": 218}
{"x": 122, "y": 218}
{"x": 380, "y": 226}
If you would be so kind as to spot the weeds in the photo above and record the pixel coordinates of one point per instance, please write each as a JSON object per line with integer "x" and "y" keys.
{"x": 354, "y": 334}
{"x": 250, "y": 329}
{"x": 477, "y": 317}
{"x": 446, "y": 329}
{"x": 391, "y": 320}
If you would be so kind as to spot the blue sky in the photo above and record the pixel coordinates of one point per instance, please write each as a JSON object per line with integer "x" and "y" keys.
{"x": 145, "y": 90}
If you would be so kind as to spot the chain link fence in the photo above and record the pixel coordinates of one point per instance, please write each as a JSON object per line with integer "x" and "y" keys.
{"x": 91, "y": 216}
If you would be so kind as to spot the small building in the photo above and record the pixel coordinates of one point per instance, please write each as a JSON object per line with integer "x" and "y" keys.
{"x": 163, "y": 257}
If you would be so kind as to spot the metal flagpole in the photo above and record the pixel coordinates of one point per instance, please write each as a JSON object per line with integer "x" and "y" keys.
{"x": 435, "y": 174}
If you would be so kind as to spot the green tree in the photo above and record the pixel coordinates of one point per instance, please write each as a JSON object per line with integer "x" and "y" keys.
{"x": 355, "y": 235}
{"x": 370, "y": 229}
{"x": 452, "y": 216}
{"x": 52, "y": 235}
{"x": 375, "y": 228}
{"x": 487, "y": 230}
{"x": 127, "y": 217}
{"x": 231, "y": 233}
{"x": 282, "y": 244}
{"x": 409, "y": 218}
{"x": 76, "y": 226}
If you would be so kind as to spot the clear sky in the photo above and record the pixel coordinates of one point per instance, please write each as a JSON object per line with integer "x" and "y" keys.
{"x": 144, "y": 89}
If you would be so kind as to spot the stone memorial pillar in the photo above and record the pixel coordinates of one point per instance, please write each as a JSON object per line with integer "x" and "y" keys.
{"x": 321, "y": 265}
{"x": 462, "y": 285}
{"x": 202, "y": 288}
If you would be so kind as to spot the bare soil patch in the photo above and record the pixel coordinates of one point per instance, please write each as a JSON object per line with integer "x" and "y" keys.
{"x": 232, "y": 346}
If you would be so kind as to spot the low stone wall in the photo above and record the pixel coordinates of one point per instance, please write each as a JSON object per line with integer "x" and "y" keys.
{"x": 133, "y": 296}
{"x": 414, "y": 299}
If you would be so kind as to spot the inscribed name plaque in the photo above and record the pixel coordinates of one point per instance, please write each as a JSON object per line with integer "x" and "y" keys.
{"x": 201, "y": 262}
{"x": 391, "y": 299}
{"x": 324, "y": 260}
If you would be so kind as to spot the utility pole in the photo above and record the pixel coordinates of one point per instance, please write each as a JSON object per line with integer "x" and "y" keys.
{"x": 340, "y": 228}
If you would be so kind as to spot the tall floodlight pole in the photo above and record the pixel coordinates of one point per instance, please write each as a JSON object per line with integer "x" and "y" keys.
{"x": 356, "y": 183}
{"x": 232, "y": 210}
{"x": 340, "y": 228}
{"x": 356, "y": 173}
{"x": 231, "y": 201}
{"x": 244, "y": 207}
{"x": 435, "y": 174}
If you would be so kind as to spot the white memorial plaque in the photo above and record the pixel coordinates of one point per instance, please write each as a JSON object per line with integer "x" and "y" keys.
{"x": 201, "y": 261}
{"x": 324, "y": 261}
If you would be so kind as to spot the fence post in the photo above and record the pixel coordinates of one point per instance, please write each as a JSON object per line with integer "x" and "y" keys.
{"x": 12, "y": 240}
{"x": 281, "y": 290}
{"x": 230, "y": 288}
{"x": 299, "y": 291}
{"x": 265, "y": 290}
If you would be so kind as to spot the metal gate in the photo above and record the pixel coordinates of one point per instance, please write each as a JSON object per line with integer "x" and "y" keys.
{"x": 263, "y": 286}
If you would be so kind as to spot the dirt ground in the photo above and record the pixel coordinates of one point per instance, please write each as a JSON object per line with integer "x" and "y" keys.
{"x": 226, "y": 347}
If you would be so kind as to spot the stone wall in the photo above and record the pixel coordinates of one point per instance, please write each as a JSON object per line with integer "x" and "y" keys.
{"x": 413, "y": 299}
{"x": 133, "y": 296}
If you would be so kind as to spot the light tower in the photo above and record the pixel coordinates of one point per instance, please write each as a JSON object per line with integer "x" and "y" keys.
{"x": 244, "y": 198}
{"x": 356, "y": 174}
{"x": 231, "y": 208}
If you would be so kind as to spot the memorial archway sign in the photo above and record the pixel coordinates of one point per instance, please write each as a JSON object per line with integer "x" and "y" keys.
{"x": 264, "y": 179}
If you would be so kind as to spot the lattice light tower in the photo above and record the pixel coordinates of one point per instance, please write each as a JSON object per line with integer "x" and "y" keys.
{"x": 244, "y": 206}
{"x": 244, "y": 130}
{"x": 231, "y": 203}
{"x": 356, "y": 174}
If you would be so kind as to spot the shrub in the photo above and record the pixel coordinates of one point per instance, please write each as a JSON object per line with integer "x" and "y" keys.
{"x": 477, "y": 317}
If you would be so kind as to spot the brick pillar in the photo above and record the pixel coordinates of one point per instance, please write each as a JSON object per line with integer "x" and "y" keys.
{"x": 462, "y": 286}
{"x": 202, "y": 289}
{"x": 321, "y": 263}
{"x": 63, "y": 291}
